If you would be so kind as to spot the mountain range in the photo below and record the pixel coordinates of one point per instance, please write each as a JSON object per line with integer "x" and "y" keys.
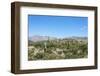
{"x": 36, "y": 38}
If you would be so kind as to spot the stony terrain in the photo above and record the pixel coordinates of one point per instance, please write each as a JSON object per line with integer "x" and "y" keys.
{"x": 53, "y": 48}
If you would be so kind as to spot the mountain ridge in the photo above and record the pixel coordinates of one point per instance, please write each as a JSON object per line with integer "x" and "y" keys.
{"x": 36, "y": 38}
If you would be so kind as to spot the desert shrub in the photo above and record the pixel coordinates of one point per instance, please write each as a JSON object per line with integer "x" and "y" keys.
{"x": 71, "y": 49}
{"x": 39, "y": 56}
{"x": 30, "y": 54}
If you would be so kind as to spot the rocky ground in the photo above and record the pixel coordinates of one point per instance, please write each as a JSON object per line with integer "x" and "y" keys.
{"x": 58, "y": 49}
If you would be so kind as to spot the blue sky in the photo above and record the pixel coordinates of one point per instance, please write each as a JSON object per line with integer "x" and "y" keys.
{"x": 57, "y": 26}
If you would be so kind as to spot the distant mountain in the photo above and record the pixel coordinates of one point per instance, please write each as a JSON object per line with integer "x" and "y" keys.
{"x": 36, "y": 38}
{"x": 40, "y": 38}
{"x": 77, "y": 38}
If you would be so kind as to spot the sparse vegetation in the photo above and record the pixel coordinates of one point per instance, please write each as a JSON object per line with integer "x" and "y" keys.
{"x": 57, "y": 49}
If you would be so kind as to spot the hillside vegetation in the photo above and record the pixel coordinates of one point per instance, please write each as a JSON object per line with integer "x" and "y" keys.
{"x": 58, "y": 49}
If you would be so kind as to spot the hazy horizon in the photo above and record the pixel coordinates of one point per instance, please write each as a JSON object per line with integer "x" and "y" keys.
{"x": 57, "y": 26}
{"x": 58, "y": 37}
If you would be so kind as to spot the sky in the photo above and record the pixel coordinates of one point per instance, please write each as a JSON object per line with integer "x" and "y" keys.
{"x": 57, "y": 26}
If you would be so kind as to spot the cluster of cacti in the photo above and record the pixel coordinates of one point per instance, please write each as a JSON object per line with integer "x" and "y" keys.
{"x": 57, "y": 49}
